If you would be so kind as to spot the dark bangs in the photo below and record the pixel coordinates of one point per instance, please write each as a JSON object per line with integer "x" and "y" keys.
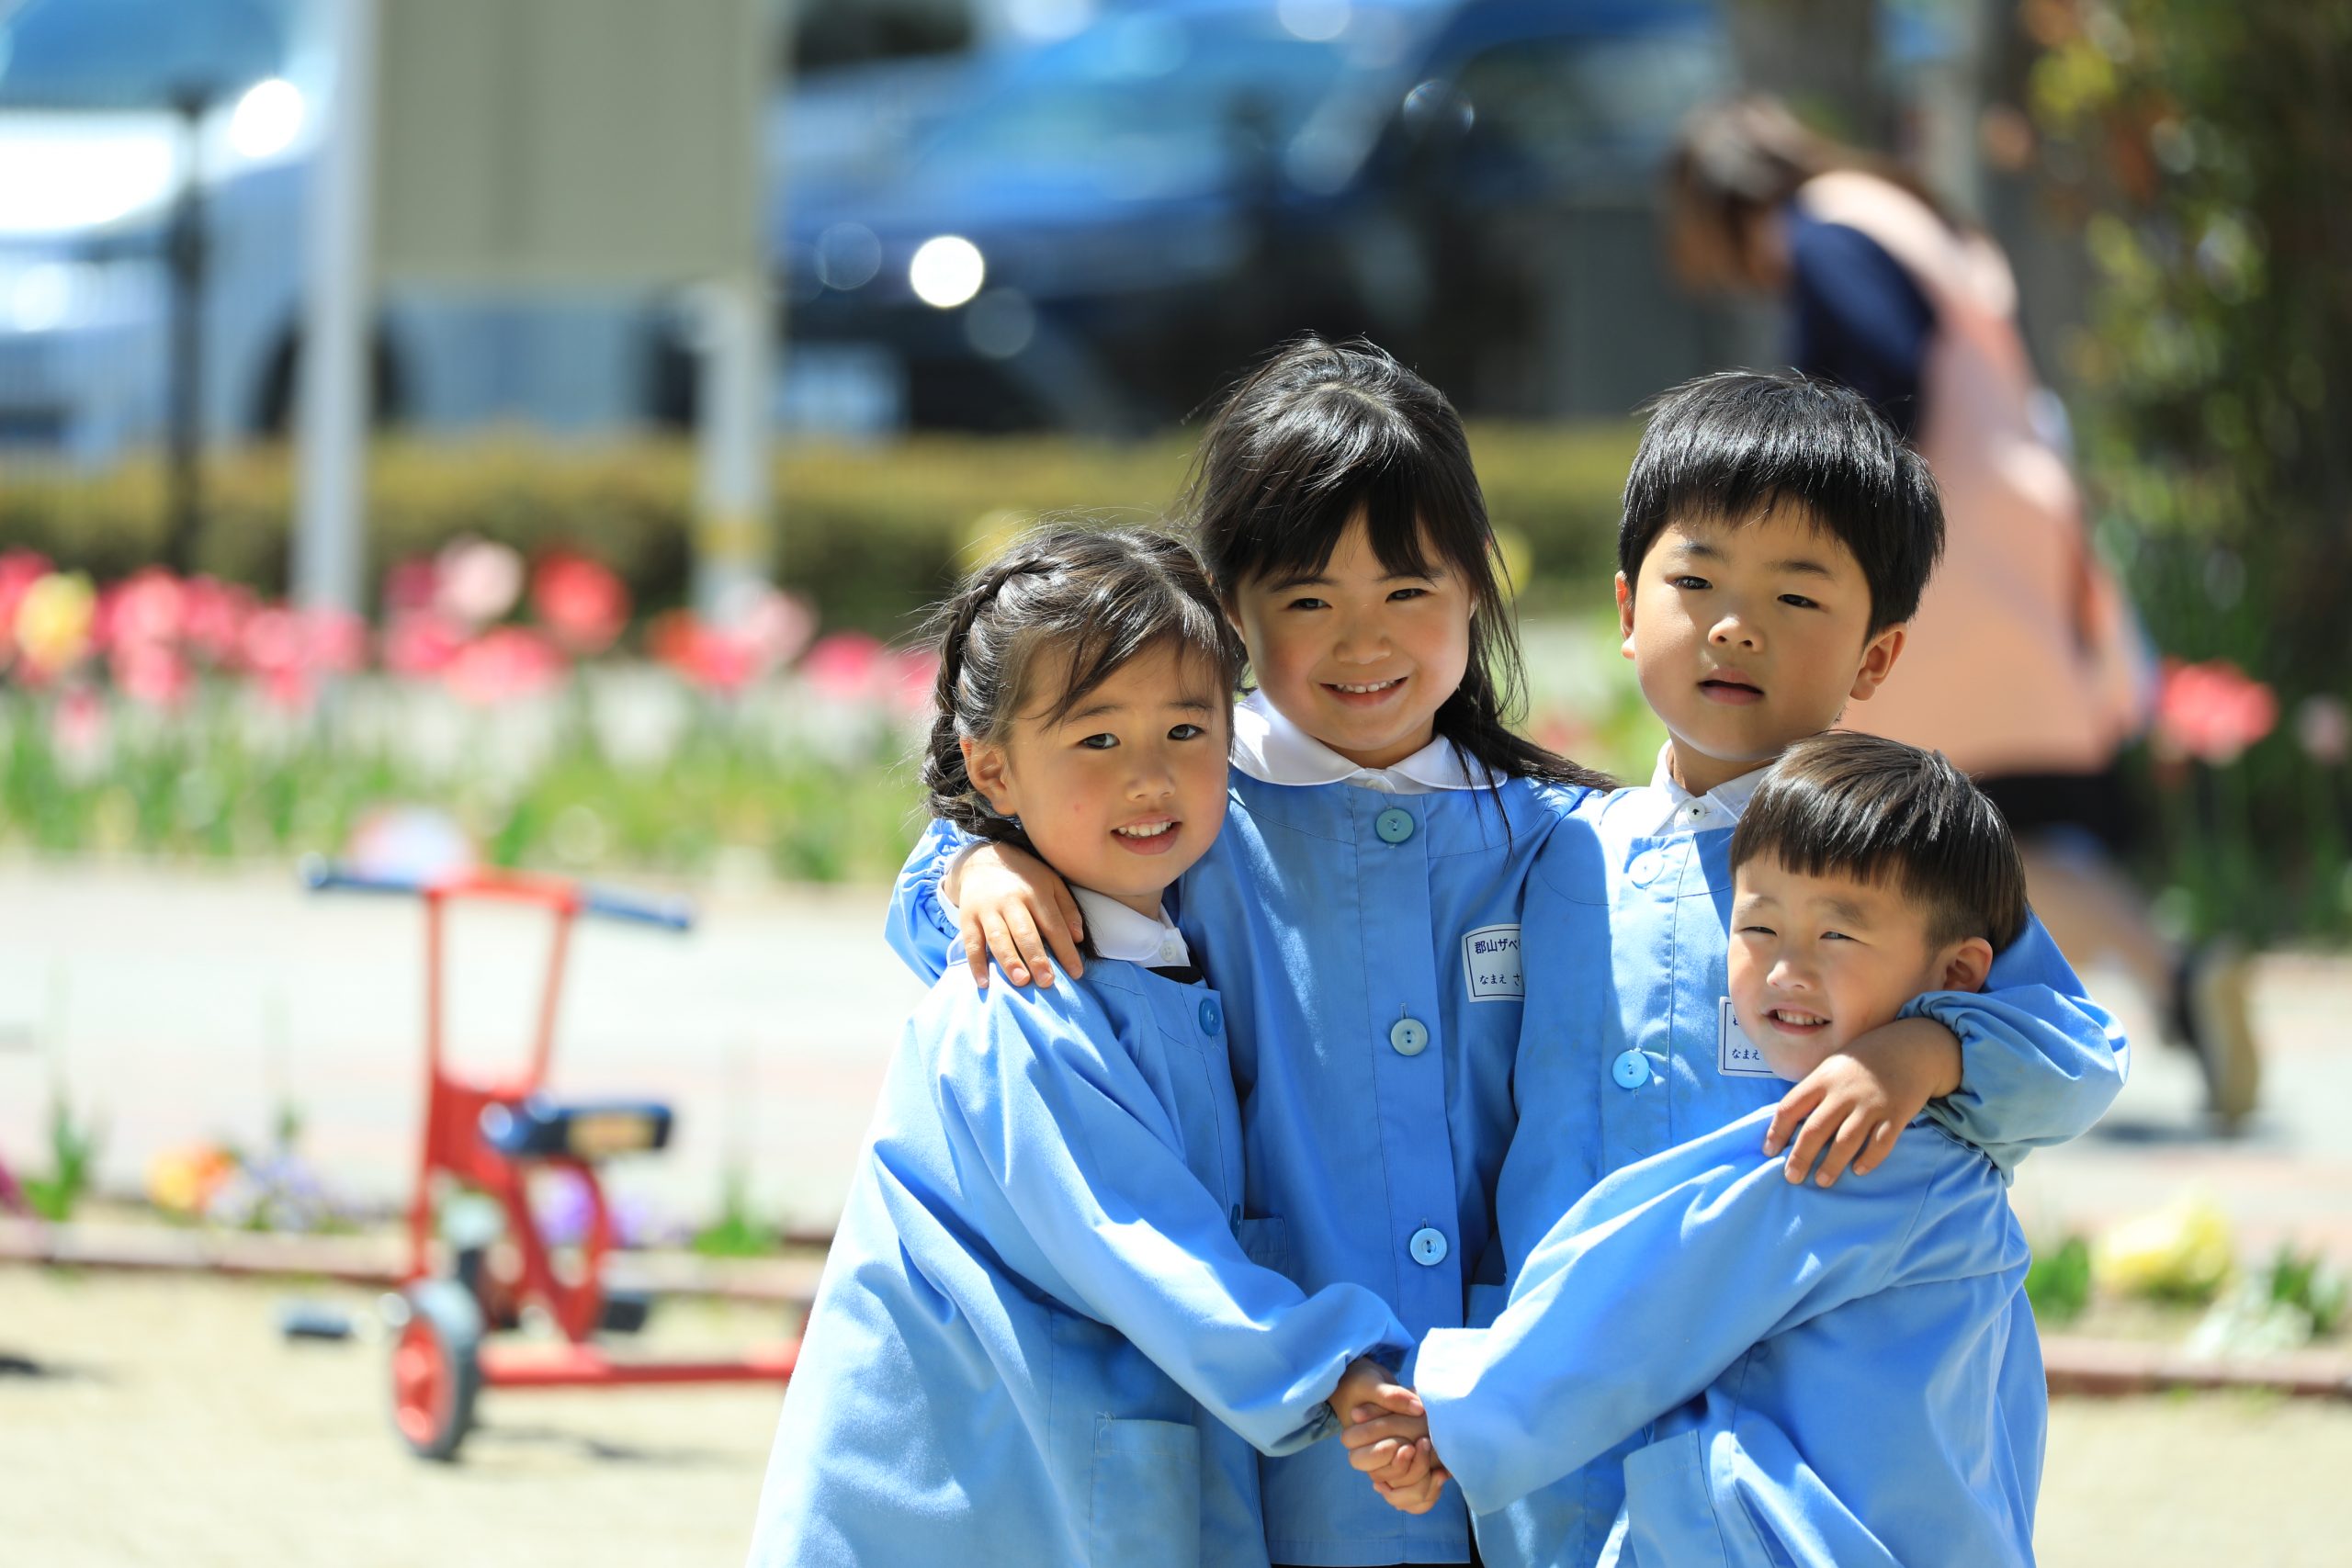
{"x": 1113, "y": 620}
{"x": 1879, "y": 811}
{"x": 1730, "y": 448}
{"x": 1273, "y": 493}
{"x": 1324, "y": 432}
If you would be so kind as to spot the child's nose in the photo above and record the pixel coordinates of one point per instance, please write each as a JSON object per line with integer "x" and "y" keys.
{"x": 1733, "y": 631}
{"x": 1153, "y": 779}
{"x": 1361, "y": 642}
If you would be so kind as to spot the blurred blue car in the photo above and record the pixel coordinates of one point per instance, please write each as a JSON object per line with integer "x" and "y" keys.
{"x": 1110, "y": 227}
{"x": 1117, "y": 222}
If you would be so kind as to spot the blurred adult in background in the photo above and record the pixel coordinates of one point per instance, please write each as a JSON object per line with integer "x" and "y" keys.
{"x": 2025, "y": 665}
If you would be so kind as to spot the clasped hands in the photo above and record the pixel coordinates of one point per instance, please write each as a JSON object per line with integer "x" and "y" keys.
{"x": 1386, "y": 1433}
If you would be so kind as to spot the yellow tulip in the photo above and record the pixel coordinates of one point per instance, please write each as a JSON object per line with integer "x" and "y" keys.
{"x": 2183, "y": 1250}
{"x": 53, "y": 620}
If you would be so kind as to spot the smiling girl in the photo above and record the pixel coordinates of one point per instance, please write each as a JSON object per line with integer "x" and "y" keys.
{"x": 1038, "y": 1340}
{"x": 1361, "y": 911}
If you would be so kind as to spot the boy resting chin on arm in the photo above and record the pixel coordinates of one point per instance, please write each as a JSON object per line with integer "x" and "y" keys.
{"x": 1836, "y": 1377}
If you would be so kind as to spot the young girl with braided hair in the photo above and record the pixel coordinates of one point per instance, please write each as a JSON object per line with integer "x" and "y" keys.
{"x": 1038, "y": 1340}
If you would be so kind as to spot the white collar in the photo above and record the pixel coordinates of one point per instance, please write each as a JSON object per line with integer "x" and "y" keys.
{"x": 1680, "y": 811}
{"x": 1272, "y": 749}
{"x": 1120, "y": 932}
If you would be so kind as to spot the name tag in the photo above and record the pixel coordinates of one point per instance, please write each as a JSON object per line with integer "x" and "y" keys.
{"x": 1735, "y": 1055}
{"x": 1490, "y": 961}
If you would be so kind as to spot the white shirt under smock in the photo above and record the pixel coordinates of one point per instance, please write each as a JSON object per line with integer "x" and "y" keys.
{"x": 1272, "y": 749}
{"x": 1665, "y": 807}
{"x": 1120, "y": 932}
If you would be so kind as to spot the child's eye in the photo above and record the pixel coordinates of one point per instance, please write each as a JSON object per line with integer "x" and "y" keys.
{"x": 1800, "y": 601}
{"x": 1835, "y": 936}
{"x": 1408, "y": 593}
{"x": 1687, "y": 581}
{"x": 1187, "y": 732}
{"x": 1103, "y": 741}
{"x": 1756, "y": 930}
{"x": 1305, "y": 601}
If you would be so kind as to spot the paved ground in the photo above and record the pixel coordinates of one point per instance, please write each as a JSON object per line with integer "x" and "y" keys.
{"x": 179, "y": 1430}
{"x": 181, "y": 1006}
{"x": 174, "y": 1430}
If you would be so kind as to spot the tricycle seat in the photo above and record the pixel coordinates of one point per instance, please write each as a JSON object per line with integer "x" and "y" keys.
{"x": 541, "y": 1129}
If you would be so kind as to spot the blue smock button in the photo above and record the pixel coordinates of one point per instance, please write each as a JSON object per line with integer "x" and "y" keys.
{"x": 1645, "y": 868}
{"x": 1428, "y": 1247}
{"x": 1210, "y": 1016}
{"x": 1631, "y": 1069}
{"x": 1393, "y": 824}
{"x": 1410, "y": 1035}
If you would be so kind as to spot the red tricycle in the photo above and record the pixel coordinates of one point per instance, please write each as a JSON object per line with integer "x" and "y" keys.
{"x": 491, "y": 1136}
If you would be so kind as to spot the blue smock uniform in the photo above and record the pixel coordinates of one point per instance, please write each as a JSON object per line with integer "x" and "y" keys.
{"x": 1828, "y": 1378}
{"x": 1365, "y": 931}
{"x": 1036, "y": 1324}
{"x": 1621, "y": 1062}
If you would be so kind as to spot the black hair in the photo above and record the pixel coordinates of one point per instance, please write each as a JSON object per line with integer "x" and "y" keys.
{"x": 1098, "y": 596}
{"x": 1729, "y": 448}
{"x": 1864, "y": 807}
{"x": 1322, "y": 433}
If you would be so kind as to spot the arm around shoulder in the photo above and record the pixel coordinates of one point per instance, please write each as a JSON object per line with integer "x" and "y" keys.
{"x": 2040, "y": 1061}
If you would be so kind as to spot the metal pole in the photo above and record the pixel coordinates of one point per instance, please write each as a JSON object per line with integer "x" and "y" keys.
{"x": 734, "y": 543}
{"x": 185, "y": 258}
{"x": 332, "y": 361}
{"x": 735, "y": 533}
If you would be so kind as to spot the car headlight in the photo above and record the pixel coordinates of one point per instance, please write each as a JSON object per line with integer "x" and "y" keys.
{"x": 947, "y": 270}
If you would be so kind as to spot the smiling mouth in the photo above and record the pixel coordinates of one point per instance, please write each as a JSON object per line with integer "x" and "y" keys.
{"x": 1728, "y": 689}
{"x": 1795, "y": 1020}
{"x": 1362, "y": 691}
{"x": 1147, "y": 838}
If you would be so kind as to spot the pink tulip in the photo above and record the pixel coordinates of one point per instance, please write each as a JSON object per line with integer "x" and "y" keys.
{"x": 777, "y": 627}
{"x": 583, "y": 605}
{"x": 154, "y": 673}
{"x": 845, "y": 666}
{"x": 2324, "y": 729}
{"x": 502, "y": 665}
{"x": 147, "y": 607}
{"x": 712, "y": 659}
{"x": 410, "y": 585}
{"x": 420, "y": 643}
{"x": 78, "y": 728}
{"x": 213, "y": 617}
{"x": 2211, "y": 712}
{"x": 479, "y": 580}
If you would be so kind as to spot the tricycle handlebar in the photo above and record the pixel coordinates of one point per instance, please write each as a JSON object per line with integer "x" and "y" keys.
{"x": 322, "y": 875}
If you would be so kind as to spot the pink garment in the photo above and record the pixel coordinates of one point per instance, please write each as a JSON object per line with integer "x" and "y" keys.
{"x": 2024, "y": 657}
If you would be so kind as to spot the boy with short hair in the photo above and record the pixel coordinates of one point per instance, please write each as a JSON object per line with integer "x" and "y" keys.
{"x": 1777, "y": 535}
{"x": 1860, "y": 1383}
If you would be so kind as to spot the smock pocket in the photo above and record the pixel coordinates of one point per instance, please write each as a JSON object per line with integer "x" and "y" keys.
{"x": 1146, "y": 1494}
{"x": 1266, "y": 1242}
{"x": 1670, "y": 1508}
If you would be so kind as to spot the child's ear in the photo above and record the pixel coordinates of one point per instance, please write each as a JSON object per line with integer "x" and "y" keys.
{"x": 1878, "y": 655}
{"x": 1966, "y": 962}
{"x": 1625, "y": 615}
{"x": 985, "y": 765}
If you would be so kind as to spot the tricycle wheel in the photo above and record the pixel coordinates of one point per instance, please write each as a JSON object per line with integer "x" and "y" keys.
{"x": 436, "y": 1369}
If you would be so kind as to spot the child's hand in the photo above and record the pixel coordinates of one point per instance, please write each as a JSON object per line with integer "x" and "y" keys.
{"x": 1393, "y": 1448}
{"x": 1367, "y": 1388}
{"x": 1417, "y": 1496}
{"x": 1010, "y": 906}
{"x": 1857, "y": 1102}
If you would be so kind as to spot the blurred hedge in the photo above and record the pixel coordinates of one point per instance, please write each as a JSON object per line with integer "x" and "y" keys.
{"x": 870, "y": 534}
